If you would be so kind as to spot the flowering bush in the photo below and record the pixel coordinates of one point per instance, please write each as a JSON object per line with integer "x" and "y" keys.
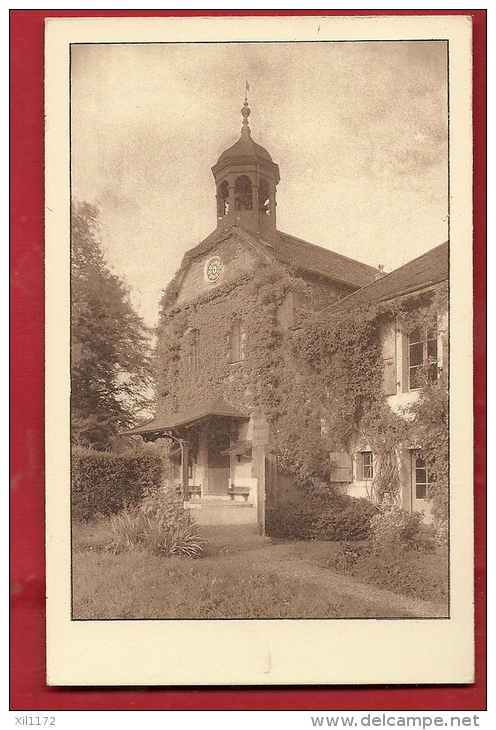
{"x": 394, "y": 528}
{"x": 441, "y": 533}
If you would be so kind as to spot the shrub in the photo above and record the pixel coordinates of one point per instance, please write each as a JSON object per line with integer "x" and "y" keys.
{"x": 294, "y": 521}
{"x": 342, "y": 518}
{"x": 400, "y": 556}
{"x": 441, "y": 528}
{"x": 409, "y": 572}
{"x": 128, "y": 529}
{"x": 413, "y": 573}
{"x": 103, "y": 483}
{"x": 349, "y": 522}
{"x": 395, "y": 529}
{"x": 160, "y": 524}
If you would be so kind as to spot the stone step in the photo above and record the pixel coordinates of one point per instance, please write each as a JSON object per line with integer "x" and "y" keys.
{"x": 213, "y": 511}
{"x": 215, "y": 499}
{"x": 217, "y": 504}
{"x": 226, "y": 513}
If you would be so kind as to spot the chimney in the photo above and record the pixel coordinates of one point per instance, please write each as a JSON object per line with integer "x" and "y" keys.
{"x": 381, "y": 272}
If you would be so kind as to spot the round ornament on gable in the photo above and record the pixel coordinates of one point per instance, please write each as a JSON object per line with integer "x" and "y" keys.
{"x": 213, "y": 269}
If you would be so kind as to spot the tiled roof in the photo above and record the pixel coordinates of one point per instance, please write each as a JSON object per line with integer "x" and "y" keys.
{"x": 427, "y": 270}
{"x": 294, "y": 252}
{"x": 309, "y": 257}
{"x": 212, "y": 407}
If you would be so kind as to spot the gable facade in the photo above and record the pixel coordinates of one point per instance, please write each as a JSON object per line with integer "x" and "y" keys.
{"x": 224, "y": 335}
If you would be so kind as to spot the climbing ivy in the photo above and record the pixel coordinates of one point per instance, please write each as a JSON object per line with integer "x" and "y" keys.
{"x": 319, "y": 386}
{"x": 344, "y": 359}
{"x": 255, "y": 299}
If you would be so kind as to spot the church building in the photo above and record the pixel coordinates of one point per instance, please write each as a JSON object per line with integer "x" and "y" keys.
{"x": 223, "y": 335}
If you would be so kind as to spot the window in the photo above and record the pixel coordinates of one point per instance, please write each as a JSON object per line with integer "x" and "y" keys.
{"x": 263, "y": 197}
{"x": 422, "y": 357}
{"x": 223, "y": 199}
{"x": 237, "y": 342}
{"x": 422, "y": 478}
{"x": 194, "y": 351}
{"x": 242, "y": 193}
{"x": 365, "y": 465}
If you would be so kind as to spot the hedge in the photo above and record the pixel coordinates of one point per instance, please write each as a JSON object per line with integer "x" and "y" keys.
{"x": 104, "y": 483}
{"x": 344, "y": 518}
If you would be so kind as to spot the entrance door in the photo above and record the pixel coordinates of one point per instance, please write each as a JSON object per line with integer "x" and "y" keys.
{"x": 218, "y": 464}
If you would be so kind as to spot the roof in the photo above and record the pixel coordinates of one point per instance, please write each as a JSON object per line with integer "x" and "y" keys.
{"x": 422, "y": 273}
{"x": 294, "y": 252}
{"x": 315, "y": 259}
{"x": 213, "y": 407}
{"x": 240, "y": 448}
{"x": 245, "y": 147}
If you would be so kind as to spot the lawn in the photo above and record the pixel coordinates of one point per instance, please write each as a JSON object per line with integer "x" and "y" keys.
{"x": 240, "y": 575}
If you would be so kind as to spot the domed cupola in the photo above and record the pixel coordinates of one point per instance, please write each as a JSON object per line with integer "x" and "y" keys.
{"x": 246, "y": 180}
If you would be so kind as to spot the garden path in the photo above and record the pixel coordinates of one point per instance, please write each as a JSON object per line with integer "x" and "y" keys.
{"x": 303, "y": 561}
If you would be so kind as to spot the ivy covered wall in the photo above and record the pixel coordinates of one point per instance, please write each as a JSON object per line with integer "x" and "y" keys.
{"x": 265, "y": 297}
{"x": 344, "y": 355}
{"x": 320, "y": 386}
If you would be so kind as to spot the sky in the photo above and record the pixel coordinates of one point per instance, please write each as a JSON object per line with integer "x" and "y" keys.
{"x": 358, "y": 129}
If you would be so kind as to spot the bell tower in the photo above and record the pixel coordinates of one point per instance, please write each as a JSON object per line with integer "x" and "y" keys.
{"x": 245, "y": 183}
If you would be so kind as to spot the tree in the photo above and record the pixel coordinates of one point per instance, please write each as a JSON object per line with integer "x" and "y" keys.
{"x": 110, "y": 344}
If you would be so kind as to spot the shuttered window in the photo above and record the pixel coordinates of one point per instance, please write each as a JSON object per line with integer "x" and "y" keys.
{"x": 365, "y": 466}
{"x": 341, "y": 467}
{"x": 422, "y": 357}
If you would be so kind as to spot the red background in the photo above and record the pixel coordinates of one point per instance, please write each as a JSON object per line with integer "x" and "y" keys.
{"x": 28, "y": 689}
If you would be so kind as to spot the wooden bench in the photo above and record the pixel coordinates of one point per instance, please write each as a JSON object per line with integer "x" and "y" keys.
{"x": 239, "y": 491}
{"x": 193, "y": 489}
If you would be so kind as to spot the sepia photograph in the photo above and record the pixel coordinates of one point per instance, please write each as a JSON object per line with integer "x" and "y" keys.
{"x": 260, "y": 309}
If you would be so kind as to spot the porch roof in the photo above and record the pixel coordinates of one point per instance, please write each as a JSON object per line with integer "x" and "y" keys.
{"x": 240, "y": 448}
{"x": 213, "y": 407}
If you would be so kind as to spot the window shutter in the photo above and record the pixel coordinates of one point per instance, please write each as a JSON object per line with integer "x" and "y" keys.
{"x": 390, "y": 377}
{"x": 340, "y": 466}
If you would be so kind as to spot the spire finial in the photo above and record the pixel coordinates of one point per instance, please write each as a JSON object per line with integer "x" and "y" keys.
{"x": 245, "y": 111}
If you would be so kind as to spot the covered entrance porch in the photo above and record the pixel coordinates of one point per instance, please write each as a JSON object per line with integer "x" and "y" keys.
{"x": 213, "y": 462}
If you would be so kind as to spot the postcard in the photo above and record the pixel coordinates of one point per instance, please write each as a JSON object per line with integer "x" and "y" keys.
{"x": 258, "y": 351}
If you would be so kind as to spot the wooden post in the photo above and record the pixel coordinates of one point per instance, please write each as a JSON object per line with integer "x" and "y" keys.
{"x": 261, "y": 493}
{"x": 184, "y": 467}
